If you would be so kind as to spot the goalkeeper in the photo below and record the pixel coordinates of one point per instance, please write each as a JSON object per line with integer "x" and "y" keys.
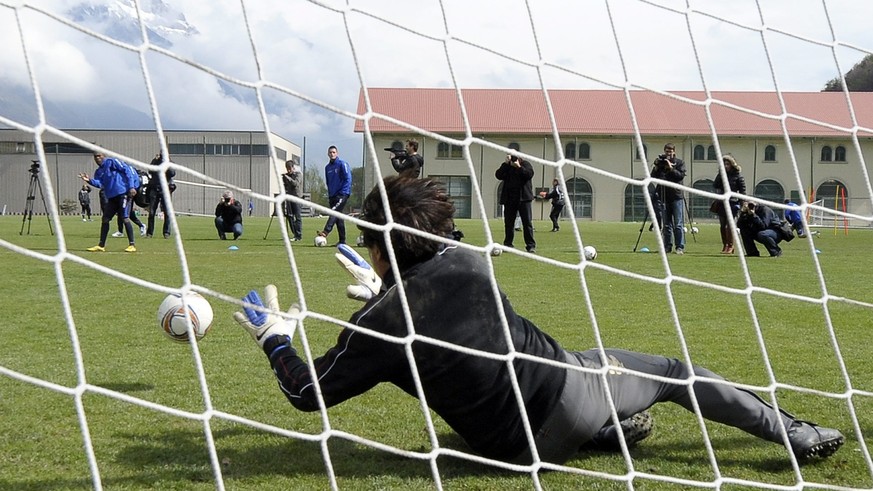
{"x": 451, "y": 300}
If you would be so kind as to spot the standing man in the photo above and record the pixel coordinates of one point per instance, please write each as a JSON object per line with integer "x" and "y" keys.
{"x": 228, "y": 216}
{"x": 557, "y": 197}
{"x": 293, "y": 182}
{"x": 118, "y": 182}
{"x": 408, "y": 163}
{"x": 338, "y": 175}
{"x": 668, "y": 167}
{"x": 516, "y": 197}
{"x": 156, "y": 197}
{"x": 85, "y": 202}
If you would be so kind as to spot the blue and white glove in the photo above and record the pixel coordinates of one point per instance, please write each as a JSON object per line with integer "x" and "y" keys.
{"x": 368, "y": 282}
{"x": 264, "y": 325}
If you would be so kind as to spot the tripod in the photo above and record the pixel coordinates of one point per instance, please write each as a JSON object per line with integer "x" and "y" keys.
{"x": 31, "y": 197}
{"x": 275, "y": 214}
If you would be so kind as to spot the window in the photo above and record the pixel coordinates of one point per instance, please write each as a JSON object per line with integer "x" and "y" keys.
{"x": 584, "y": 151}
{"x": 840, "y": 154}
{"x": 570, "y": 151}
{"x": 770, "y": 190}
{"x": 64, "y": 147}
{"x": 185, "y": 148}
{"x": 833, "y": 194}
{"x": 446, "y": 151}
{"x": 645, "y": 151}
{"x": 459, "y": 191}
{"x": 580, "y": 196}
{"x": 699, "y": 207}
{"x": 282, "y": 155}
{"x": 769, "y": 153}
{"x": 635, "y": 203}
{"x": 826, "y": 154}
{"x": 699, "y": 153}
{"x": 710, "y": 153}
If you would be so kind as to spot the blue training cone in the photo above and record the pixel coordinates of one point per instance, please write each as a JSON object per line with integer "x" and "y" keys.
{"x": 644, "y": 249}
{"x": 233, "y": 248}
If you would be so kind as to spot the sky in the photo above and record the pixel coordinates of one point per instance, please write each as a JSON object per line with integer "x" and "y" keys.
{"x": 309, "y": 59}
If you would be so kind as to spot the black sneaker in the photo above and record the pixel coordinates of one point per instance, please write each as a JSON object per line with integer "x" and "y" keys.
{"x": 635, "y": 429}
{"x": 809, "y": 440}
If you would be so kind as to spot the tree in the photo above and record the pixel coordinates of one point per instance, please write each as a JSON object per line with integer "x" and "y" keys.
{"x": 858, "y": 79}
{"x": 313, "y": 184}
{"x": 356, "y": 200}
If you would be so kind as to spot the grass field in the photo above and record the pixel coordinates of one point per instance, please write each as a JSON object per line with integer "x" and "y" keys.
{"x": 821, "y": 346}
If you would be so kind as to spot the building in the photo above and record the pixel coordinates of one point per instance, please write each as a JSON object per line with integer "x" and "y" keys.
{"x": 602, "y": 164}
{"x": 239, "y": 158}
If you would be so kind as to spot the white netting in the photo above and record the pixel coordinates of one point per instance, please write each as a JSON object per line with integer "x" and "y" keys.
{"x": 447, "y": 41}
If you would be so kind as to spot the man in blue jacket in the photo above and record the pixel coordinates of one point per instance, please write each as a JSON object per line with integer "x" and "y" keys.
{"x": 119, "y": 183}
{"x": 338, "y": 176}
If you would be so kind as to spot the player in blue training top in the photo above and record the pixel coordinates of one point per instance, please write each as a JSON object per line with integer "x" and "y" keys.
{"x": 338, "y": 176}
{"x": 119, "y": 182}
{"x": 451, "y": 299}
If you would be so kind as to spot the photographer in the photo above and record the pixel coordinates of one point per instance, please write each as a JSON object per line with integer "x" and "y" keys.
{"x": 670, "y": 168}
{"x": 157, "y": 198}
{"x": 407, "y": 163}
{"x": 759, "y": 223}
{"x": 516, "y": 197}
{"x": 292, "y": 180}
{"x": 228, "y": 216}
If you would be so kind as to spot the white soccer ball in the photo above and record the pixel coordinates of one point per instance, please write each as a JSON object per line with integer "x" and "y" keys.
{"x": 173, "y": 316}
{"x": 320, "y": 241}
{"x": 496, "y": 252}
{"x": 590, "y": 252}
{"x": 694, "y": 230}
{"x": 360, "y": 241}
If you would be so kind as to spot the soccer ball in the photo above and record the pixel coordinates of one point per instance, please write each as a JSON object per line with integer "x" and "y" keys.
{"x": 360, "y": 241}
{"x": 320, "y": 241}
{"x": 173, "y": 320}
{"x": 496, "y": 252}
{"x": 590, "y": 252}
{"x": 694, "y": 230}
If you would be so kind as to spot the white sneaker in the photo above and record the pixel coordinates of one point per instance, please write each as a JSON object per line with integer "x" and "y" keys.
{"x": 118, "y": 234}
{"x": 142, "y": 230}
{"x": 84, "y": 220}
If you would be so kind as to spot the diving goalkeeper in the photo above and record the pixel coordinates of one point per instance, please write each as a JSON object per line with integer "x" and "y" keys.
{"x": 451, "y": 300}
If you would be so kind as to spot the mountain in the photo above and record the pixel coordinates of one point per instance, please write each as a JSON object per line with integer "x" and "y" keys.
{"x": 118, "y": 19}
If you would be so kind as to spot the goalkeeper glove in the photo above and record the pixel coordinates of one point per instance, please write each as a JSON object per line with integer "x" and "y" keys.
{"x": 264, "y": 325}
{"x": 369, "y": 282}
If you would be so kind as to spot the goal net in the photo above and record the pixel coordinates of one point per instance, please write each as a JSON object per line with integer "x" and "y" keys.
{"x": 92, "y": 396}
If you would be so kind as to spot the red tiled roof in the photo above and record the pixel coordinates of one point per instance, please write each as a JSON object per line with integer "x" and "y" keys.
{"x": 606, "y": 112}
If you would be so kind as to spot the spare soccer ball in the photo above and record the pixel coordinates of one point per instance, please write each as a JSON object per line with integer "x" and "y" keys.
{"x": 590, "y": 252}
{"x": 173, "y": 316}
{"x": 496, "y": 252}
{"x": 694, "y": 230}
{"x": 320, "y": 241}
{"x": 360, "y": 241}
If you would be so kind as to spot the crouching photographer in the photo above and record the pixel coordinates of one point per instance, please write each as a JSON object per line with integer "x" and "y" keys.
{"x": 759, "y": 223}
{"x": 407, "y": 162}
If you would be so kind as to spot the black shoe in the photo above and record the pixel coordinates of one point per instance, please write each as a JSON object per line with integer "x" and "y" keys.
{"x": 809, "y": 440}
{"x": 222, "y": 237}
{"x": 532, "y": 250}
{"x": 635, "y": 429}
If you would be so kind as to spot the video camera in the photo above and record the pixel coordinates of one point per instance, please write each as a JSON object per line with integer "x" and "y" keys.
{"x": 398, "y": 153}
{"x": 662, "y": 160}
{"x": 34, "y": 167}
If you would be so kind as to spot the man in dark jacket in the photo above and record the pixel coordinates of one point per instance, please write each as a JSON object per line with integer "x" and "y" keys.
{"x": 671, "y": 168}
{"x": 292, "y": 181}
{"x": 759, "y": 223}
{"x": 516, "y": 196}
{"x": 408, "y": 163}
{"x": 157, "y": 198}
{"x": 487, "y": 399}
{"x": 228, "y": 216}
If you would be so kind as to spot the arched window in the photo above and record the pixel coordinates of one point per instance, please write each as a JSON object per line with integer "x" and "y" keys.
{"x": 580, "y": 195}
{"x": 584, "y": 151}
{"x": 443, "y": 150}
{"x": 700, "y": 204}
{"x": 769, "y": 153}
{"x": 833, "y": 194}
{"x": 826, "y": 154}
{"x": 840, "y": 154}
{"x": 570, "y": 151}
{"x": 710, "y": 153}
{"x": 699, "y": 152}
{"x": 770, "y": 190}
{"x": 634, "y": 203}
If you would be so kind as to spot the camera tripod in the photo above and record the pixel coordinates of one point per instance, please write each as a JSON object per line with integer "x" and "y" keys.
{"x": 31, "y": 197}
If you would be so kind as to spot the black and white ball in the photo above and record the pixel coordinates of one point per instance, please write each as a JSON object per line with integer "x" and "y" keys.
{"x": 320, "y": 241}
{"x": 590, "y": 252}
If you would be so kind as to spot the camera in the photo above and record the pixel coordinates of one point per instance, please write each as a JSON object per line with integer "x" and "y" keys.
{"x": 34, "y": 167}
{"x": 398, "y": 153}
{"x": 662, "y": 160}
{"x": 227, "y": 199}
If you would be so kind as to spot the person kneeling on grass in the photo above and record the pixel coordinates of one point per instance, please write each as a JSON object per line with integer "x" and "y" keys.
{"x": 452, "y": 301}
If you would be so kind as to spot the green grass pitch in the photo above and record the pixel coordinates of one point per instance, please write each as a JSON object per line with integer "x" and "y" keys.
{"x": 124, "y": 355}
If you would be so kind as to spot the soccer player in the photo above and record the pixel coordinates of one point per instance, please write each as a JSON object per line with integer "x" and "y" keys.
{"x": 451, "y": 299}
{"x": 119, "y": 183}
{"x": 338, "y": 176}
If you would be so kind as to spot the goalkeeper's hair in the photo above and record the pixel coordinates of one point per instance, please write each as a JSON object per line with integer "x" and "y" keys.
{"x": 422, "y": 204}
